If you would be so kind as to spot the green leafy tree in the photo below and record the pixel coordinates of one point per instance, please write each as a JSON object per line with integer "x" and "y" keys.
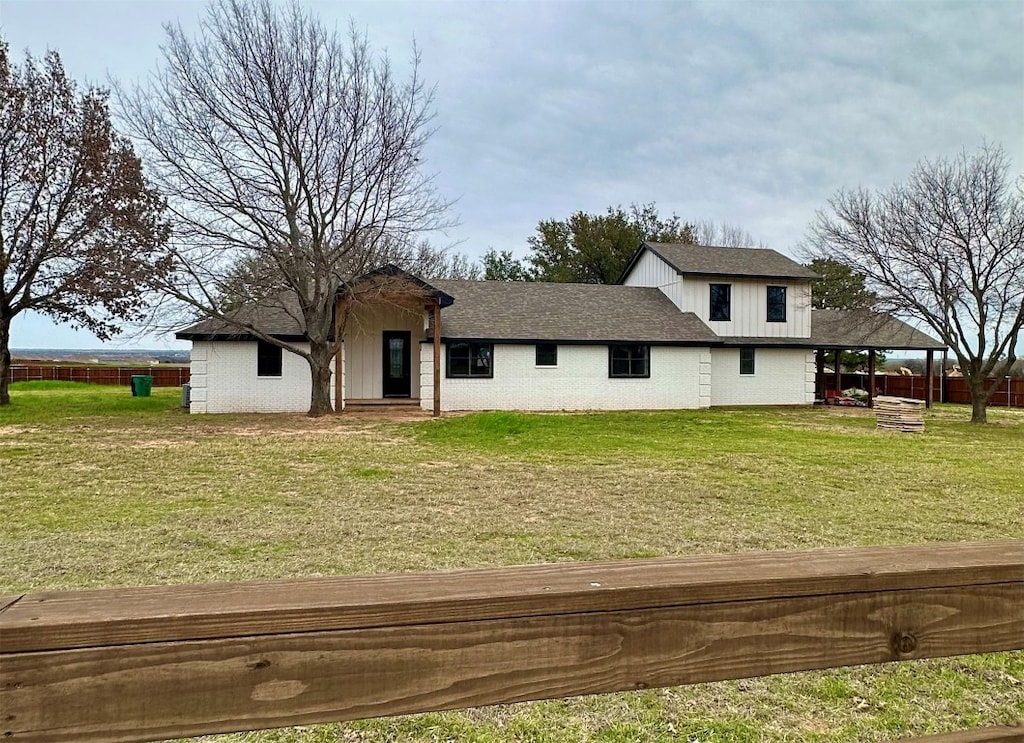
{"x": 840, "y": 287}
{"x": 504, "y": 267}
{"x": 81, "y": 232}
{"x": 596, "y": 248}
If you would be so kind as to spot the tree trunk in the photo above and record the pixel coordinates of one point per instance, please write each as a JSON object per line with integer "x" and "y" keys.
{"x": 5, "y": 359}
{"x": 979, "y": 399}
{"x": 320, "y": 357}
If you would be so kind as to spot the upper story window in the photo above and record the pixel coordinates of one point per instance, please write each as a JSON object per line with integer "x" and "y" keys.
{"x": 268, "y": 359}
{"x": 776, "y": 304}
{"x": 547, "y": 354}
{"x": 721, "y": 302}
{"x": 470, "y": 359}
{"x": 629, "y": 360}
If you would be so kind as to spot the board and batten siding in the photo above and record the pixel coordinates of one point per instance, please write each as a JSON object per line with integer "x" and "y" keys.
{"x": 749, "y": 306}
{"x": 652, "y": 271}
{"x": 782, "y": 376}
{"x": 224, "y": 380}
{"x": 579, "y": 382}
{"x": 364, "y": 351}
{"x": 749, "y": 299}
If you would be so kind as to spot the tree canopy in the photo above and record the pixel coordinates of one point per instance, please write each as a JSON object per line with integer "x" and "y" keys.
{"x": 286, "y": 147}
{"x": 944, "y": 248}
{"x": 596, "y": 248}
{"x": 840, "y": 287}
{"x": 81, "y": 232}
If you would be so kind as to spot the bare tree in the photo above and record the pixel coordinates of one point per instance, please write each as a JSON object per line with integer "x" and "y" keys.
{"x": 945, "y": 248}
{"x": 723, "y": 235}
{"x": 80, "y": 231}
{"x": 288, "y": 149}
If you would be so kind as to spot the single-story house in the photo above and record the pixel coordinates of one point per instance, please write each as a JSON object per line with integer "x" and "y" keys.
{"x": 686, "y": 327}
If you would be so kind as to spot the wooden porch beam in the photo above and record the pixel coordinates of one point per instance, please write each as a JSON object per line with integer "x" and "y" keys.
{"x": 819, "y": 376}
{"x": 437, "y": 358}
{"x": 871, "y": 378}
{"x": 930, "y": 385}
{"x": 339, "y": 364}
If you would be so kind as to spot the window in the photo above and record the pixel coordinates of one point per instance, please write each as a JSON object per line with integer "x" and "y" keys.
{"x": 720, "y": 301}
{"x": 470, "y": 359}
{"x": 629, "y": 361}
{"x": 547, "y": 354}
{"x": 776, "y": 304}
{"x": 268, "y": 359}
{"x": 747, "y": 360}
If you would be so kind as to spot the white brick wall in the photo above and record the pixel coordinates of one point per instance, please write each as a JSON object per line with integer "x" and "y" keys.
{"x": 579, "y": 382}
{"x": 224, "y": 380}
{"x": 780, "y": 377}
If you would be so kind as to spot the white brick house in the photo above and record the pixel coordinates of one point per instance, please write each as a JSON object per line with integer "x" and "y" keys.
{"x": 687, "y": 327}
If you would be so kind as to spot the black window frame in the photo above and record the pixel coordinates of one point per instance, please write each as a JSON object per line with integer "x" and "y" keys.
{"x": 546, "y": 354}
{"x": 269, "y": 359}
{"x": 474, "y": 350}
{"x": 779, "y": 303}
{"x": 634, "y": 361}
{"x": 727, "y": 313}
{"x": 748, "y": 361}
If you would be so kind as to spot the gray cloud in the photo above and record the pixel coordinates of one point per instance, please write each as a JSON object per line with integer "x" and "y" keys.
{"x": 752, "y": 113}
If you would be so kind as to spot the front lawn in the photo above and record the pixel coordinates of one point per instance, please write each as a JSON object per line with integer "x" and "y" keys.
{"x": 103, "y": 489}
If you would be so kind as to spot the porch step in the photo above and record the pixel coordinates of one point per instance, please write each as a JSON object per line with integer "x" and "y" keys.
{"x": 385, "y": 405}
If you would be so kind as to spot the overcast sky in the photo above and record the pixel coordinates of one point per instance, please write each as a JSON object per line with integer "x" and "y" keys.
{"x": 750, "y": 113}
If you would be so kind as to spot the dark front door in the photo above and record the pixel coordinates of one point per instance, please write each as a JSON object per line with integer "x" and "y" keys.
{"x": 396, "y": 363}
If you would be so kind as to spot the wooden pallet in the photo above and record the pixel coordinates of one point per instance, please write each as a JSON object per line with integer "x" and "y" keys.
{"x": 899, "y": 414}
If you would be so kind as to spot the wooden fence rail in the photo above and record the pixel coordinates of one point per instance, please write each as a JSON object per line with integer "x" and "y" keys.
{"x": 137, "y": 664}
{"x": 163, "y": 376}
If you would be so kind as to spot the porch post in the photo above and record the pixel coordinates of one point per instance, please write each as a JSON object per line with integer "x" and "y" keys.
{"x": 930, "y": 384}
{"x": 339, "y": 365}
{"x": 838, "y": 376}
{"x": 871, "y": 377}
{"x": 437, "y": 358}
{"x": 942, "y": 377}
{"x": 819, "y": 375}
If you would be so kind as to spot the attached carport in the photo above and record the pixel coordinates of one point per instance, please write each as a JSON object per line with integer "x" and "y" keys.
{"x": 857, "y": 330}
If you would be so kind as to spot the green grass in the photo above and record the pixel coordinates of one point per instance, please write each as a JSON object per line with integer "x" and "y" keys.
{"x": 103, "y": 489}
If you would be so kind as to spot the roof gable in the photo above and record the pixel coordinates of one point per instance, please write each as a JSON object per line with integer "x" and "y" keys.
{"x": 714, "y": 261}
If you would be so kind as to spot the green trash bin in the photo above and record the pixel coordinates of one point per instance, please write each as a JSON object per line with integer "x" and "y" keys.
{"x": 142, "y": 385}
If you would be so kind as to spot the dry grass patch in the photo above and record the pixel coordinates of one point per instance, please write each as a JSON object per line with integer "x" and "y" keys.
{"x": 111, "y": 493}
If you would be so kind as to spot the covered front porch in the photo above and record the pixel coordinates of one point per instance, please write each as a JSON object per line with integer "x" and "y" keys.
{"x": 385, "y": 320}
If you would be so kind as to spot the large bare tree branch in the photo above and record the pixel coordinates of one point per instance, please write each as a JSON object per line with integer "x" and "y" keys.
{"x": 291, "y": 158}
{"x": 945, "y": 248}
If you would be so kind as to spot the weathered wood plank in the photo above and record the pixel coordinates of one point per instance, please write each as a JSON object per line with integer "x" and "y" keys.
{"x": 163, "y": 690}
{"x": 7, "y": 601}
{"x": 55, "y": 620}
{"x": 982, "y": 735}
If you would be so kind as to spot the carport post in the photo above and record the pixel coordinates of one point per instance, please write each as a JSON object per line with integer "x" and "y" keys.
{"x": 871, "y": 377}
{"x": 930, "y": 386}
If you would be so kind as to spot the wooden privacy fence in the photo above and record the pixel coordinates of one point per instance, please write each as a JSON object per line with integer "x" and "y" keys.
{"x": 1009, "y": 392}
{"x": 163, "y": 376}
{"x": 138, "y": 664}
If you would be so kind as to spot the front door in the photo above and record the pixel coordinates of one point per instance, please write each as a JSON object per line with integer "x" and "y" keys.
{"x": 396, "y": 363}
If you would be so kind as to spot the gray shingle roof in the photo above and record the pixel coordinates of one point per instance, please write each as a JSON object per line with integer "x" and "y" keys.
{"x": 751, "y": 262}
{"x": 850, "y": 330}
{"x": 499, "y": 310}
{"x": 279, "y": 317}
